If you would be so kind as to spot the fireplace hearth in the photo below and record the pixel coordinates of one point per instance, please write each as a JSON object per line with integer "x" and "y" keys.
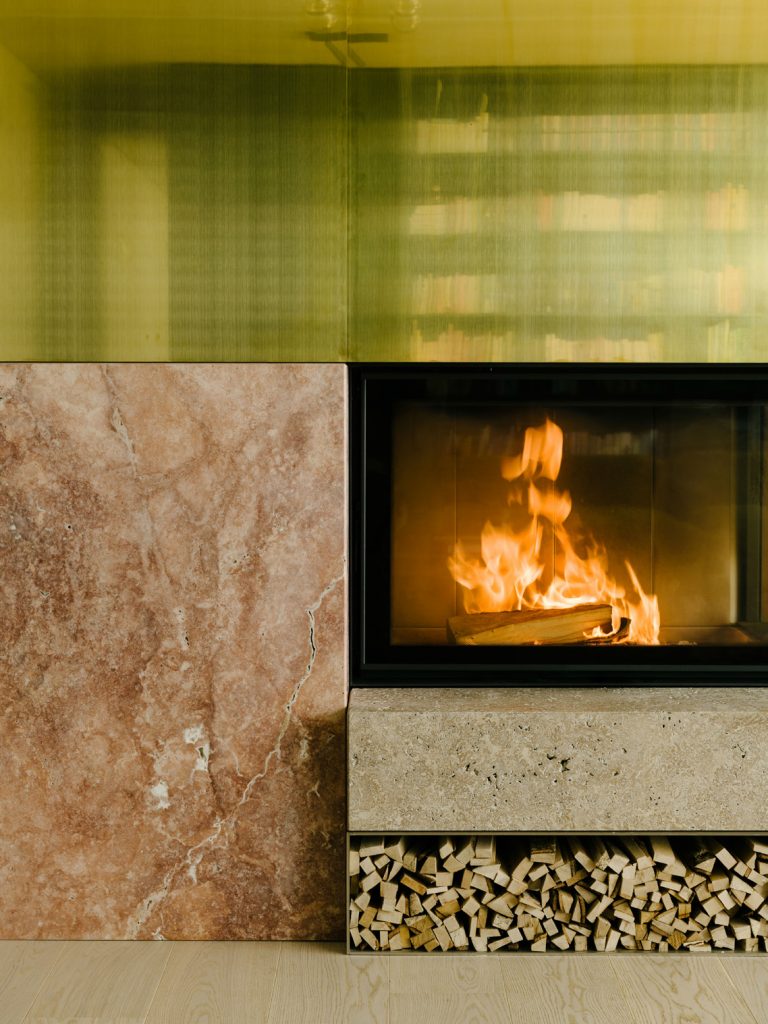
{"x": 558, "y": 524}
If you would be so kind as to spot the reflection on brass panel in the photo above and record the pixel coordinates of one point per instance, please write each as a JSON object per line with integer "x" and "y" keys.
{"x": 693, "y": 517}
{"x": 560, "y": 214}
{"x": 180, "y": 205}
{"x": 185, "y": 212}
{"x": 21, "y": 185}
{"x": 258, "y": 214}
{"x": 386, "y": 33}
{"x": 134, "y": 260}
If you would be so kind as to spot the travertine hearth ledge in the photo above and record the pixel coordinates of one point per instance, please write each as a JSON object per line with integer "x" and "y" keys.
{"x": 529, "y": 760}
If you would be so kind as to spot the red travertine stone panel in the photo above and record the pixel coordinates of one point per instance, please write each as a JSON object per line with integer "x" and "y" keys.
{"x": 172, "y": 665}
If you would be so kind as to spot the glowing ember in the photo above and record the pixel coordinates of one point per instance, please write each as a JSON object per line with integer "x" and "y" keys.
{"x": 513, "y": 575}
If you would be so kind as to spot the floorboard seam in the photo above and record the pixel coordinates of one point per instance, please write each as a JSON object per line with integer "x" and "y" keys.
{"x": 45, "y": 977}
{"x": 723, "y": 964}
{"x": 273, "y": 986}
{"x": 159, "y": 980}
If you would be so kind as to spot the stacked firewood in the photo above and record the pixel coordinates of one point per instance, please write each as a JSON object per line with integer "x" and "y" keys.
{"x": 483, "y": 893}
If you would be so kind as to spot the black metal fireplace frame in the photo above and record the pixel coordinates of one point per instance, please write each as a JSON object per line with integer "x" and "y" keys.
{"x": 373, "y": 390}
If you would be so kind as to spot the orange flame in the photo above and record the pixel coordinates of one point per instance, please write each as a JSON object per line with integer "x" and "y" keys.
{"x": 512, "y": 574}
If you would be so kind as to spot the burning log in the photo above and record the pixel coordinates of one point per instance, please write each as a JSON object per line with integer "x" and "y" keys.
{"x": 538, "y": 626}
{"x": 580, "y": 893}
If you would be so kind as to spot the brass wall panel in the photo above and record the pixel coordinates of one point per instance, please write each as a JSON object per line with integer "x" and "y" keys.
{"x": 390, "y": 33}
{"x": 21, "y": 184}
{"x": 185, "y": 213}
{"x": 258, "y": 216}
{"x": 201, "y": 212}
{"x": 614, "y": 214}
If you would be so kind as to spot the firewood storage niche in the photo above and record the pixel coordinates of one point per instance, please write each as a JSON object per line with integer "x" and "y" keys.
{"x": 488, "y": 893}
{"x": 570, "y": 523}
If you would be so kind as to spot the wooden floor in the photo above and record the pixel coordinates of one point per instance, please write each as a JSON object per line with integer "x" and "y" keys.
{"x": 316, "y": 983}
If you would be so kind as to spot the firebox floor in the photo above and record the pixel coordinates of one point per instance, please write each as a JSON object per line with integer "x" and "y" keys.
{"x": 316, "y": 983}
{"x": 725, "y": 636}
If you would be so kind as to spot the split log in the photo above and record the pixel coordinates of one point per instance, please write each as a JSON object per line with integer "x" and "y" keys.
{"x": 538, "y": 626}
{"x": 487, "y": 894}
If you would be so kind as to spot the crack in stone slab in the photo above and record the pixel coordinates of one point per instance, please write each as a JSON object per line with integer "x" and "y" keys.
{"x": 195, "y": 854}
{"x": 149, "y": 903}
{"x": 276, "y": 751}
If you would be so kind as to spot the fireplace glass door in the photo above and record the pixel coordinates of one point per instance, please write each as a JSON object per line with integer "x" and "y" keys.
{"x": 563, "y": 520}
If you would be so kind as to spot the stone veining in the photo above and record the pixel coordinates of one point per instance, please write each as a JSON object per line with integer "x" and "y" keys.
{"x": 173, "y": 672}
{"x": 276, "y": 750}
{"x": 221, "y": 827}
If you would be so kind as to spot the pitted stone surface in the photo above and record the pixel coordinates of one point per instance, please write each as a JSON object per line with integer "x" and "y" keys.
{"x": 652, "y": 759}
{"x": 172, "y": 664}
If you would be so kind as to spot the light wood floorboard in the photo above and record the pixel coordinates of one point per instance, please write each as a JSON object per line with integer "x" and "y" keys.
{"x": 563, "y": 989}
{"x": 456, "y": 989}
{"x": 24, "y": 967}
{"x": 317, "y": 983}
{"x": 687, "y": 989}
{"x": 215, "y": 983}
{"x": 749, "y": 976}
{"x": 100, "y": 983}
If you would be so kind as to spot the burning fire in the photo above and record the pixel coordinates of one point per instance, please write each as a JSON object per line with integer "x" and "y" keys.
{"x": 512, "y": 574}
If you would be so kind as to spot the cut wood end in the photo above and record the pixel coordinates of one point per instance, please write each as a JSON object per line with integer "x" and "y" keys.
{"x": 576, "y": 893}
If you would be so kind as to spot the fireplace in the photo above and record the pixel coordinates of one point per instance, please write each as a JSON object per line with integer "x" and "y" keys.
{"x": 558, "y": 524}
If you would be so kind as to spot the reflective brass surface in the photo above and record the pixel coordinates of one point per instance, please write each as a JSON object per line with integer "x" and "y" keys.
{"x": 383, "y": 179}
{"x": 559, "y": 215}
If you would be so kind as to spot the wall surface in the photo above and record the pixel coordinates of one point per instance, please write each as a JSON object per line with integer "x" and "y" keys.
{"x": 172, "y": 671}
{"x": 21, "y": 187}
{"x": 195, "y": 213}
{"x": 560, "y": 214}
{"x": 276, "y": 213}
